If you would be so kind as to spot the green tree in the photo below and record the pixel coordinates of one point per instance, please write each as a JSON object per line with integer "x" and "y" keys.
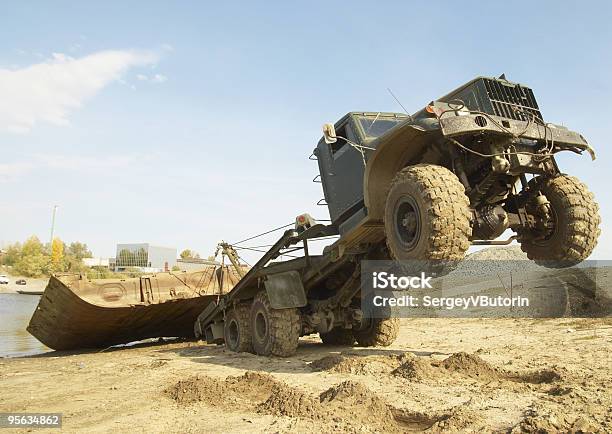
{"x": 32, "y": 260}
{"x": 12, "y": 254}
{"x": 78, "y": 250}
{"x": 189, "y": 254}
{"x": 32, "y": 247}
{"x": 33, "y": 266}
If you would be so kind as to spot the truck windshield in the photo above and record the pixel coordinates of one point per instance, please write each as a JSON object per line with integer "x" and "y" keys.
{"x": 373, "y": 127}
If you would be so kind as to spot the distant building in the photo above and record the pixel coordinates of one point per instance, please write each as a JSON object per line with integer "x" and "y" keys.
{"x": 145, "y": 257}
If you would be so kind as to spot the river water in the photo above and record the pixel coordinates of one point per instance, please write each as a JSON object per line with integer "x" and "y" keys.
{"x": 15, "y": 313}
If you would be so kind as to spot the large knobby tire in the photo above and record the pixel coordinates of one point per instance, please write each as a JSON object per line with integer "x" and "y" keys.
{"x": 575, "y": 223}
{"x": 378, "y": 332}
{"x": 237, "y": 329}
{"x": 427, "y": 217}
{"x": 274, "y": 331}
{"x": 338, "y": 336}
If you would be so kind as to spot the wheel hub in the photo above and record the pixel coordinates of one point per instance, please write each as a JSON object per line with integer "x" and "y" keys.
{"x": 407, "y": 221}
{"x": 233, "y": 333}
{"x": 261, "y": 326}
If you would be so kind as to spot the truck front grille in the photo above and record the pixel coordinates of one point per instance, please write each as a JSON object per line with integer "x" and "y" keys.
{"x": 512, "y": 101}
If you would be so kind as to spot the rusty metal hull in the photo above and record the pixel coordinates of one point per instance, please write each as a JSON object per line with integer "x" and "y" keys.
{"x": 76, "y": 313}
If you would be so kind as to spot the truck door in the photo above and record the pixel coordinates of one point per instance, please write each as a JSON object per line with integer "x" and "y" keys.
{"x": 342, "y": 168}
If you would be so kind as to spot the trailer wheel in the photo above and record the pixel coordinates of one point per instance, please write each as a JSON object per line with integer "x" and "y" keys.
{"x": 237, "y": 329}
{"x": 427, "y": 217}
{"x": 275, "y": 331}
{"x": 575, "y": 223}
{"x": 338, "y": 336}
{"x": 378, "y": 332}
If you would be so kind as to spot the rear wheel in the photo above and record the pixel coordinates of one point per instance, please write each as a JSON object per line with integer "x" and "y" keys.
{"x": 338, "y": 336}
{"x": 378, "y": 332}
{"x": 574, "y": 223}
{"x": 427, "y": 217}
{"x": 237, "y": 329}
{"x": 275, "y": 331}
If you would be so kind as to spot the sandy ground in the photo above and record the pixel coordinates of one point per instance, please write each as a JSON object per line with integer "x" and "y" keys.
{"x": 440, "y": 375}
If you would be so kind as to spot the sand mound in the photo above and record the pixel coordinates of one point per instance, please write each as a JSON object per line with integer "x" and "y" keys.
{"x": 348, "y": 406}
{"x": 359, "y": 365}
{"x": 494, "y": 260}
{"x": 505, "y": 253}
{"x": 459, "y": 419}
{"x": 415, "y": 369}
{"x": 540, "y": 376}
{"x": 467, "y": 365}
{"x": 366, "y": 411}
{"x": 335, "y": 362}
{"x": 352, "y": 401}
{"x": 347, "y": 390}
{"x": 470, "y": 365}
{"x": 288, "y": 401}
{"x": 196, "y": 389}
{"x": 216, "y": 392}
{"x": 253, "y": 384}
{"x": 551, "y": 421}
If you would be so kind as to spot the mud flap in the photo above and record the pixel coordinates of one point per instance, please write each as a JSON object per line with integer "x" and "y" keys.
{"x": 214, "y": 333}
{"x": 285, "y": 290}
{"x": 199, "y": 328}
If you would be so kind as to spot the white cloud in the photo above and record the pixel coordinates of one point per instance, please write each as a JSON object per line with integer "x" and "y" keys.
{"x": 157, "y": 78}
{"x": 48, "y": 91}
{"x": 10, "y": 171}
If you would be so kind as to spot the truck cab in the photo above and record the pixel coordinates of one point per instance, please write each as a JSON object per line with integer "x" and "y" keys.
{"x": 342, "y": 164}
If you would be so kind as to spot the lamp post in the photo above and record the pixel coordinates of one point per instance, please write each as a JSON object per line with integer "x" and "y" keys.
{"x": 53, "y": 224}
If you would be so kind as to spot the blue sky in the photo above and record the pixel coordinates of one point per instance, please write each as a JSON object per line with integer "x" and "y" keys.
{"x": 184, "y": 123}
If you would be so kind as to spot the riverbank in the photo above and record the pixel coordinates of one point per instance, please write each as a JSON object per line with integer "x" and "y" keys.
{"x": 442, "y": 374}
{"x": 32, "y": 284}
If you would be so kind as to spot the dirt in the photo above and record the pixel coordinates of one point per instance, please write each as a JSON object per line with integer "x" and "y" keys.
{"x": 214, "y": 392}
{"x": 441, "y": 375}
{"x": 505, "y": 253}
{"x": 357, "y": 364}
{"x": 289, "y": 401}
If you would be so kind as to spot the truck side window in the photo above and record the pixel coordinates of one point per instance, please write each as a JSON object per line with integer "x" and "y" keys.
{"x": 335, "y": 147}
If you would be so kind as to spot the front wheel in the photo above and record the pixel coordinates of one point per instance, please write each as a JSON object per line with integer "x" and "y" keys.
{"x": 427, "y": 216}
{"x": 574, "y": 223}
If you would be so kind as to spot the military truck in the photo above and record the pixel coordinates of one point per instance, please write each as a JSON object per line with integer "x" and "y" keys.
{"x": 420, "y": 188}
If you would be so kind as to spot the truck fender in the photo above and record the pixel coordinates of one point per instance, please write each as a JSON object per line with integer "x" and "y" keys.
{"x": 285, "y": 290}
{"x": 394, "y": 151}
